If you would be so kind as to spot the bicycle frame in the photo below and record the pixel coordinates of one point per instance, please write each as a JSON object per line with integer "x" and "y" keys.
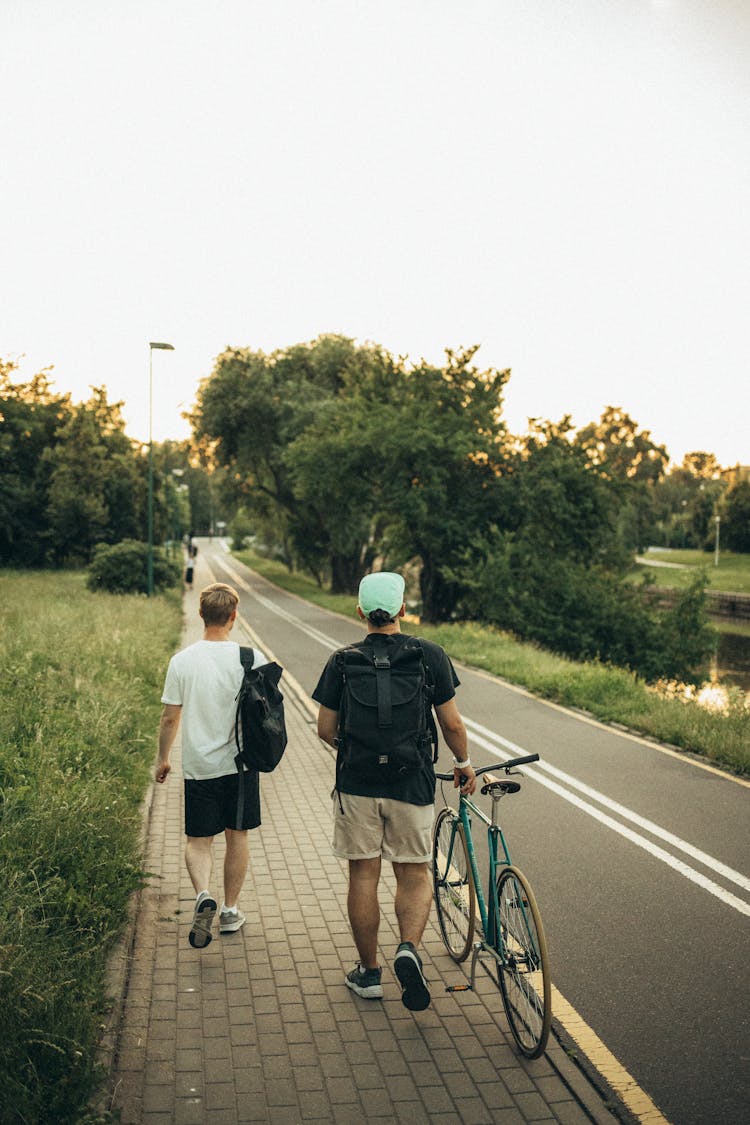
{"x": 511, "y": 948}
{"x": 488, "y": 907}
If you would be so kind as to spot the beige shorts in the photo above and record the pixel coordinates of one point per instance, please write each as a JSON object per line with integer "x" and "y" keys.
{"x": 379, "y": 826}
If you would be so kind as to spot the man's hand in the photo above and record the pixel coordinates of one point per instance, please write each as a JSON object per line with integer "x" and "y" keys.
{"x": 162, "y": 771}
{"x": 465, "y": 779}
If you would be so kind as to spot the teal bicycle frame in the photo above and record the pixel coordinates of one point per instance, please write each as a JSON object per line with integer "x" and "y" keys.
{"x": 488, "y": 913}
{"x": 511, "y": 948}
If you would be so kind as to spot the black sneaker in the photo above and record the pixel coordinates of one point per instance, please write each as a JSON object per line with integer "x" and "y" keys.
{"x": 365, "y": 982}
{"x": 205, "y": 911}
{"x": 407, "y": 966}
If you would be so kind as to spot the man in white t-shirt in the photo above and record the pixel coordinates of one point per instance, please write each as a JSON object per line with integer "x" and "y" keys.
{"x": 201, "y": 690}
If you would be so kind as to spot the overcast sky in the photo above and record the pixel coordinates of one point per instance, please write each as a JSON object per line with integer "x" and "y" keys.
{"x": 564, "y": 183}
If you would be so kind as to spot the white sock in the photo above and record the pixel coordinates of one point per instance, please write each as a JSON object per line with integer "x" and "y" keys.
{"x": 228, "y": 909}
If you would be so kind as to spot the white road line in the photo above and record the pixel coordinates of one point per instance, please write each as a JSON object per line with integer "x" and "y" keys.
{"x": 640, "y": 841}
{"x": 310, "y": 630}
{"x": 641, "y": 821}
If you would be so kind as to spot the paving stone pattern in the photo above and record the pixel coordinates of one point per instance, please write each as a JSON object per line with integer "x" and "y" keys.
{"x": 259, "y": 1026}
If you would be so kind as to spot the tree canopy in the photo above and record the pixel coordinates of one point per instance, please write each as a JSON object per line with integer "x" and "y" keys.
{"x": 70, "y": 477}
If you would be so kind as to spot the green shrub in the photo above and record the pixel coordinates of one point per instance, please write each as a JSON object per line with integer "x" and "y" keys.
{"x": 241, "y": 529}
{"x": 123, "y": 568}
{"x": 587, "y": 612}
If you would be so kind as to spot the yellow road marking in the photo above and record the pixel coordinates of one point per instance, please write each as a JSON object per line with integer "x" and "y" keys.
{"x": 623, "y": 1083}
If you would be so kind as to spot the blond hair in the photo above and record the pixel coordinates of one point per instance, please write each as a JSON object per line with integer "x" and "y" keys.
{"x": 217, "y": 603}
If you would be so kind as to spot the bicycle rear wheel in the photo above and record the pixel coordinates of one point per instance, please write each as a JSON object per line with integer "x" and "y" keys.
{"x": 454, "y": 889}
{"x": 524, "y": 972}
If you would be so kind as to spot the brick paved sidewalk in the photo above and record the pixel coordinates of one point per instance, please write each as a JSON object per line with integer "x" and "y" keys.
{"x": 259, "y": 1027}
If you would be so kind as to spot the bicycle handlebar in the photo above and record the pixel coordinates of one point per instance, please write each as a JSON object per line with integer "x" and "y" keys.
{"x": 507, "y": 766}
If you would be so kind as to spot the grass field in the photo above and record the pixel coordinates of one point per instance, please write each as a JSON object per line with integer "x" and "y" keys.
{"x": 610, "y": 694}
{"x": 82, "y": 679}
{"x": 731, "y": 576}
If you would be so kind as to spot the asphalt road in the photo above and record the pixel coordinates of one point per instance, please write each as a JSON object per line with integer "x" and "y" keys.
{"x": 640, "y": 861}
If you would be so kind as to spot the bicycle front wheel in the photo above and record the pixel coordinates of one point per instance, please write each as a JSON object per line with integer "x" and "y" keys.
{"x": 454, "y": 888}
{"x": 524, "y": 972}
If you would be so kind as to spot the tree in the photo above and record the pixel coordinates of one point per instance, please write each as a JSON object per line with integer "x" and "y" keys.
{"x": 94, "y": 484}
{"x": 622, "y": 453}
{"x": 685, "y": 500}
{"x": 443, "y": 447}
{"x": 273, "y": 421}
{"x": 31, "y": 415}
{"x": 737, "y": 517}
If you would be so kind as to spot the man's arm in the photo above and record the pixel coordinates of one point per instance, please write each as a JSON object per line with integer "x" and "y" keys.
{"x": 170, "y": 721}
{"x": 328, "y": 725}
{"x": 454, "y": 733}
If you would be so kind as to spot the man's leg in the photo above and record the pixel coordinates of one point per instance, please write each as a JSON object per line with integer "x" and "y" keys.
{"x": 413, "y": 899}
{"x": 413, "y": 902}
{"x": 235, "y": 864}
{"x": 199, "y": 861}
{"x": 364, "y": 909}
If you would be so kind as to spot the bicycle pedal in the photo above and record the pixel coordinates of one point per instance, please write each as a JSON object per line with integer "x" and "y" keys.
{"x": 458, "y": 988}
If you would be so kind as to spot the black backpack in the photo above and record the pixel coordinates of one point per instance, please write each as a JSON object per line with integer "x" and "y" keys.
{"x": 386, "y": 728}
{"x": 259, "y": 725}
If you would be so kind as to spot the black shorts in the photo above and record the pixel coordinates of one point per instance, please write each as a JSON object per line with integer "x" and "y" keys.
{"x": 211, "y": 805}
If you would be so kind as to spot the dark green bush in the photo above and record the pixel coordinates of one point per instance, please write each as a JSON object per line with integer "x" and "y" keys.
{"x": 588, "y": 612}
{"x": 123, "y": 568}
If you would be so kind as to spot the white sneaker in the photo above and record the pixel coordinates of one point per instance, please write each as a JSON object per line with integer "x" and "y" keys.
{"x": 230, "y": 920}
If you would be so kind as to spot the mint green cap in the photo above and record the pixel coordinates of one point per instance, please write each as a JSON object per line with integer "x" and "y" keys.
{"x": 383, "y": 590}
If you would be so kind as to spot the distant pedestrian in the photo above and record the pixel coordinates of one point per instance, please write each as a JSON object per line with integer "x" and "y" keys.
{"x": 387, "y": 813}
{"x": 201, "y": 687}
{"x": 189, "y": 571}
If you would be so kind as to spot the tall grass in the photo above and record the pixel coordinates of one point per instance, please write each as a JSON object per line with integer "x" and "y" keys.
{"x": 82, "y": 676}
{"x": 608, "y": 693}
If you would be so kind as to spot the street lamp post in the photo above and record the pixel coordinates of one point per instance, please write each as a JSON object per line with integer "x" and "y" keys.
{"x": 717, "y": 520}
{"x": 150, "y": 562}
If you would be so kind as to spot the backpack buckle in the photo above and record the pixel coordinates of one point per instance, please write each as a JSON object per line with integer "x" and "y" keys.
{"x": 382, "y": 662}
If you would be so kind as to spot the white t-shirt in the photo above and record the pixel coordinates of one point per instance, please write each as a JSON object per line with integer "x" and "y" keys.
{"x": 204, "y": 680}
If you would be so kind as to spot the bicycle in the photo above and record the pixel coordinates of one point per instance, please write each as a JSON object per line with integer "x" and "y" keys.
{"x": 512, "y": 937}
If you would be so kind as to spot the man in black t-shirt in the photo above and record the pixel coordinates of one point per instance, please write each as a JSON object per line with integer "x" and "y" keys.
{"x": 390, "y": 818}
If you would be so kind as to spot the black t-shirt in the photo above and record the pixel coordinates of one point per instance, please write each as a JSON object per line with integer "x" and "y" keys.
{"x": 416, "y": 788}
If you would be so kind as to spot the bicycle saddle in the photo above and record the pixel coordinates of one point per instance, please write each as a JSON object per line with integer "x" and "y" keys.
{"x": 499, "y": 785}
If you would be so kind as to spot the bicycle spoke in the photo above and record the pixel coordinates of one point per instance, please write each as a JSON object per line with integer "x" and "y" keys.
{"x": 454, "y": 890}
{"x": 524, "y": 976}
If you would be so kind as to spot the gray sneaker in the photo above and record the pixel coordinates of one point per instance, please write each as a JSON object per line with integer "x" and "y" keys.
{"x": 365, "y": 982}
{"x": 205, "y": 911}
{"x": 230, "y": 921}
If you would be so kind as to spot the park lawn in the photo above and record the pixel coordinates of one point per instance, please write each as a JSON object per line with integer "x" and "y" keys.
{"x": 79, "y": 710}
{"x": 608, "y": 693}
{"x": 731, "y": 576}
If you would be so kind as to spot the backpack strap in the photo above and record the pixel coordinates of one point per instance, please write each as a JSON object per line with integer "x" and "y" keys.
{"x": 247, "y": 659}
{"x": 429, "y": 685}
{"x": 340, "y": 658}
{"x": 382, "y": 663}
